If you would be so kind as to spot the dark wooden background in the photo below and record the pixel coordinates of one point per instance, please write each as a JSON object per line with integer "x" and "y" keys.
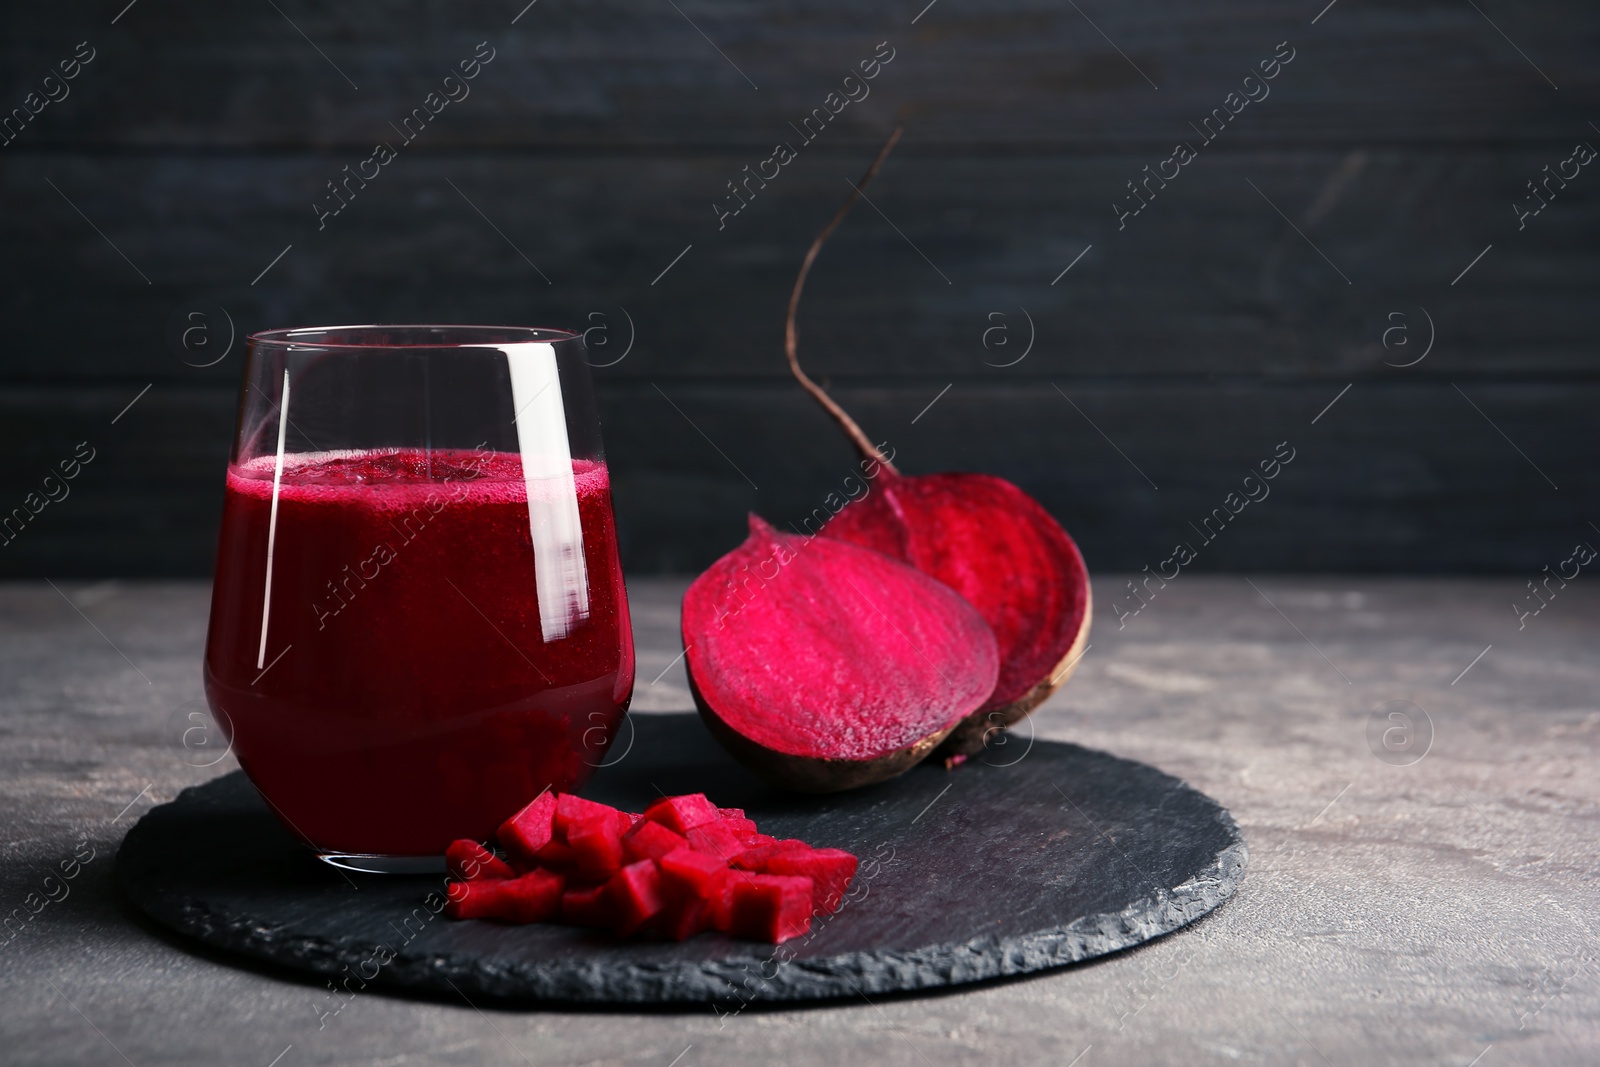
{"x": 1190, "y": 343}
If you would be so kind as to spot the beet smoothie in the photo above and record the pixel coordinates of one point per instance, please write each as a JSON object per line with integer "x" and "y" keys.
{"x": 405, "y": 692}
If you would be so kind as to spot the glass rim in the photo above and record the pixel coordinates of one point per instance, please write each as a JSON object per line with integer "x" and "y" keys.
{"x": 344, "y": 338}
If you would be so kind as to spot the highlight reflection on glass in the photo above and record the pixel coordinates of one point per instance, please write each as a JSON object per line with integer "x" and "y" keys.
{"x": 419, "y": 620}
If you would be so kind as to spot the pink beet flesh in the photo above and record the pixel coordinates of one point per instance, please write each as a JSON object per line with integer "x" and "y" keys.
{"x": 682, "y": 814}
{"x": 770, "y": 907}
{"x": 529, "y": 898}
{"x": 650, "y": 841}
{"x": 634, "y": 895}
{"x": 830, "y": 871}
{"x": 596, "y": 845}
{"x": 629, "y": 874}
{"x": 818, "y": 648}
{"x": 996, "y": 546}
{"x": 529, "y": 830}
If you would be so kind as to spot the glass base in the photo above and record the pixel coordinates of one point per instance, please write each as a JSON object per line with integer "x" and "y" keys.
{"x": 370, "y": 863}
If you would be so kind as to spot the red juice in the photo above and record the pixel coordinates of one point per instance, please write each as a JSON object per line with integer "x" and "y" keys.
{"x": 406, "y": 695}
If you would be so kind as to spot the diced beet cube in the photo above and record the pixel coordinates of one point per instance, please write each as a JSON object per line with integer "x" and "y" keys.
{"x": 530, "y": 898}
{"x": 717, "y": 839}
{"x": 596, "y": 846}
{"x": 557, "y": 856}
{"x": 585, "y": 907}
{"x": 738, "y": 824}
{"x": 633, "y": 896}
{"x": 470, "y": 861}
{"x": 754, "y": 840}
{"x": 756, "y": 859}
{"x": 649, "y": 841}
{"x": 534, "y": 897}
{"x": 731, "y": 813}
{"x": 472, "y": 900}
{"x": 830, "y": 871}
{"x": 770, "y": 907}
{"x": 682, "y": 814}
{"x": 719, "y": 898}
{"x": 571, "y": 808}
{"x": 681, "y": 919}
{"x": 686, "y": 872}
{"x": 529, "y": 830}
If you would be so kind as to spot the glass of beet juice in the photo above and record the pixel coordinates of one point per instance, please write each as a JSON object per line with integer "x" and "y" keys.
{"x": 418, "y": 622}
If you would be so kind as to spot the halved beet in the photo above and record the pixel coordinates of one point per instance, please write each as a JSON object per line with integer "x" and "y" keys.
{"x": 1000, "y": 549}
{"x": 824, "y": 666}
{"x": 979, "y": 534}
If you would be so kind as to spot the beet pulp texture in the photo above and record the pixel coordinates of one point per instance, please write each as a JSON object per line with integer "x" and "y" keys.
{"x": 822, "y": 665}
{"x": 682, "y": 867}
{"x": 980, "y": 535}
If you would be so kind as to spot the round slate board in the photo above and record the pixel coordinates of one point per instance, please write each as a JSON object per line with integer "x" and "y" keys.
{"x": 1032, "y": 856}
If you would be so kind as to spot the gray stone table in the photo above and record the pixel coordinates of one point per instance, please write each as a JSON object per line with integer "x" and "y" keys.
{"x": 1442, "y": 911}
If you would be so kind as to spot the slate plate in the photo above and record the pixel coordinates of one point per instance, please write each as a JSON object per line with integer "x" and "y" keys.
{"x": 1037, "y": 855}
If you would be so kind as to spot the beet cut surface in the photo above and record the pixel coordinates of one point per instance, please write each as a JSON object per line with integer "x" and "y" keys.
{"x": 529, "y": 830}
{"x": 769, "y": 907}
{"x": 823, "y": 665}
{"x": 529, "y": 898}
{"x": 1000, "y": 549}
{"x": 650, "y": 841}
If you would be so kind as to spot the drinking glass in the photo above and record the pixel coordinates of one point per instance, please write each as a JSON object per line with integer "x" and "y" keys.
{"x": 419, "y": 621}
